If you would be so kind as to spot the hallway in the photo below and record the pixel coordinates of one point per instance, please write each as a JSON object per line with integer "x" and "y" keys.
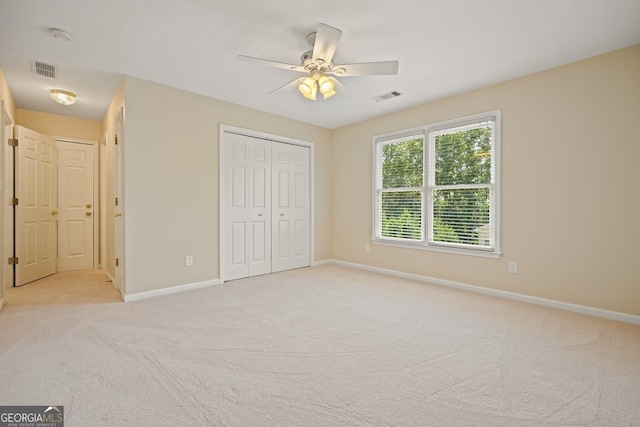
{"x": 68, "y": 288}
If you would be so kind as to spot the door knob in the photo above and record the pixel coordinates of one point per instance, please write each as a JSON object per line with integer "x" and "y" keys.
{"x": 88, "y": 205}
{"x": 88, "y": 214}
{"x": 118, "y": 215}
{"x": 54, "y": 212}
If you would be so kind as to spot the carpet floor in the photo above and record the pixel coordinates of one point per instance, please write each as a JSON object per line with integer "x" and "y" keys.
{"x": 322, "y": 346}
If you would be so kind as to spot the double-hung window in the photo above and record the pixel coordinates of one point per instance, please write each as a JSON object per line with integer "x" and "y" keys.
{"x": 437, "y": 187}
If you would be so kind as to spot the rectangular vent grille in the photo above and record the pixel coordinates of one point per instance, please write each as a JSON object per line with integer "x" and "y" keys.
{"x": 43, "y": 69}
{"x": 386, "y": 96}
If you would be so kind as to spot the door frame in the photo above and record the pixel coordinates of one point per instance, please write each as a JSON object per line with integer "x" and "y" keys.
{"x": 102, "y": 202}
{"x": 96, "y": 196}
{"x": 6, "y": 188}
{"x": 119, "y": 231}
{"x": 274, "y": 138}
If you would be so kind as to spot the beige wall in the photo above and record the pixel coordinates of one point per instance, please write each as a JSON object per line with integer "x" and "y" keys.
{"x": 570, "y": 179}
{"x": 5, "y": 95}
{"x": 171, "y": 181}
{"x": 58, "y": 126}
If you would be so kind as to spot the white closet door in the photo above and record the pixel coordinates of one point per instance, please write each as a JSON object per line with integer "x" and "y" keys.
{"x": 290, "y": 207}
{"x": 75, "y": 206}
{"x": 246, "y": 203}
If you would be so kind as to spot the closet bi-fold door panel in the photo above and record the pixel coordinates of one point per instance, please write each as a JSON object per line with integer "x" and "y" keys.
{"x": 290, "y": 207}
{"x": 246, "y": 203}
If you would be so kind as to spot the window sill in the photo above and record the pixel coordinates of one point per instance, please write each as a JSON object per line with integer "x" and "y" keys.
{"x": 441, "y": 249}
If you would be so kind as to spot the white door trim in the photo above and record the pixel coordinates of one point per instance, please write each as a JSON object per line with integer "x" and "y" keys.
{"x": 276, "y": 138}
{"x": 96, "y": 200}
{"x": 6, "y": 243}
{"x": 102, "y": 202}
{"x": 119, "y": 224}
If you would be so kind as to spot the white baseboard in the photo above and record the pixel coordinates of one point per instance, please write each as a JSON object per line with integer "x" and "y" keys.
{"x": 591, "y": 311}
{"x": 170, "y": 290}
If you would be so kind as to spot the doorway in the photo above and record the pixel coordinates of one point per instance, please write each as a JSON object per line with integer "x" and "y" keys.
{"x": 265, "y": 203}
{"x": 54, "y": 205}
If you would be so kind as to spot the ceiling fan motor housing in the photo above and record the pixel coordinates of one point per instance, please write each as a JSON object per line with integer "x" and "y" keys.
{"x": 317, "y": 66}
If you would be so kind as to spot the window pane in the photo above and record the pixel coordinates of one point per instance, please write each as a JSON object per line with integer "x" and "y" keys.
{"x": 462, "y": 216}
{"x": 463, "y": 157}
{"x": 401, "y": 215}
{"x": 402, "y": 164}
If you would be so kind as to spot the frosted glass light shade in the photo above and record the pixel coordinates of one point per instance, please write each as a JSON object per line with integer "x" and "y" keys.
{"x": 63, "y": 97}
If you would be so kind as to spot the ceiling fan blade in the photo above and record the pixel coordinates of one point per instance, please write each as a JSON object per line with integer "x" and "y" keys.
{"x": 366, "y": 69}
{"x": 326, "y": 42}
{"x": 270, "y": 63}
{"x": 339, "y": 85}
{"x": 296, "y": 82}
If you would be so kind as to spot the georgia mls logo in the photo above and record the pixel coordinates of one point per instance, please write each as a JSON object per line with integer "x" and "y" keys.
{"x": 31, "y": 416}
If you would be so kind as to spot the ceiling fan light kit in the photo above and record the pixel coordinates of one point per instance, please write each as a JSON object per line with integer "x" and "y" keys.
{"x": 310, "y": 86}
{"x": 318, "y": 66}
{"x": 307, "y": 88}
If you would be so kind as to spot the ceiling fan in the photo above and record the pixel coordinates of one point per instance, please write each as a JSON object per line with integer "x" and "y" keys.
{"x": 318, "y": 66}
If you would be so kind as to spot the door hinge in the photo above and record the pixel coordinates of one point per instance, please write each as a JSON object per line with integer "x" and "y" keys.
{"x": 13, "y": 142}
{"x": 13, "y": 201}
{"x": 13, "y": 260}
{"x": 117, "y": 262}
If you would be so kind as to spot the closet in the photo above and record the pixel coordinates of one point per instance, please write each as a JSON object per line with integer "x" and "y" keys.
{"x": 265, "y": 206}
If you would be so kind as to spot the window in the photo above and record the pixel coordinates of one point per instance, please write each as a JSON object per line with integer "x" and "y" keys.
{"x": 437, "y": 186}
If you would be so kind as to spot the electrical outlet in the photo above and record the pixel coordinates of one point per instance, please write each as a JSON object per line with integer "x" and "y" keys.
{"x": 367, "y": 248}
{"x": 188, "y": 260}
{"x": 513, "y": 267}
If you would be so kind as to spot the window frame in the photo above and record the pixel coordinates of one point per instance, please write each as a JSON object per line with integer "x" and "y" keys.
{"x": 379, "y": 190}
{"x": 426, "y": 132}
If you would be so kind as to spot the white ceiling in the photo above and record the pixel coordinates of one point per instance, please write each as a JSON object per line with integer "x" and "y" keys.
{"x": 444, "y": 47}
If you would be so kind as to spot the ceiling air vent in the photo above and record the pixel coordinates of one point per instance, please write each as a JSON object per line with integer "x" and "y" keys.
{"x": 386, "y": 96}
{"x": 43, "y": 69}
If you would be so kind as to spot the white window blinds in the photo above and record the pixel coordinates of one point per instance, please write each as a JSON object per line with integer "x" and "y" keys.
{"x": 400, "y": 188}
{"x": 461, "y": 185}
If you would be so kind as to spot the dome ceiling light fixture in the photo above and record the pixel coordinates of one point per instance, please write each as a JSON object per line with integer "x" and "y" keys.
{"x": 60, "y": 35}
{"x": 63, "y": 97}
{"x": 318, "y": 66}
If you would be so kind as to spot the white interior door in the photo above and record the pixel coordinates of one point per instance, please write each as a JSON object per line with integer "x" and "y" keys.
{"x": 75, "y": 206}
{"x": 290, "y": 207}
{"x": 36, "y": 191}
{"x": 246, "y": 200}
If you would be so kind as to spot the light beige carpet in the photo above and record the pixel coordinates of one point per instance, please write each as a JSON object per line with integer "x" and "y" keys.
{"x": 318, "y": 346}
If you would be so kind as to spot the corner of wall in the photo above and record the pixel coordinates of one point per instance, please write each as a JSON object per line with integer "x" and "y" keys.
{"x": 5, "y": 95}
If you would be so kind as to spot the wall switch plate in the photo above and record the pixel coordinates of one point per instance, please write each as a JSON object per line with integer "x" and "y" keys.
{"x": 367, "y": 248}
{"x": 188, "y": 260}
{"x": 513, "y": 267}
